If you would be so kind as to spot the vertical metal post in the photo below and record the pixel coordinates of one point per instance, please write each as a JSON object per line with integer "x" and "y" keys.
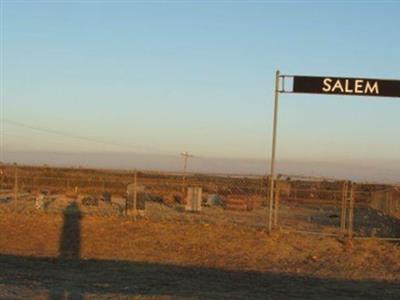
{"x": 277, "y": 198}
{"x": 16, "y": 183}
{"x": 343, "y": 211}
{"x": 1, "y": 179}
{"x": 184, "y": 175}
{"x": 135, "y": 196}
{"x": 389, "y": 202}
{"x": 126, "y": 203}
{"x": 271, "y": 189}
{"x": 351, "y": 211}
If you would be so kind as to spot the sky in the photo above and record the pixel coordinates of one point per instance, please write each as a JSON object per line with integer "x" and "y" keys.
{"x": 165, "y": 77}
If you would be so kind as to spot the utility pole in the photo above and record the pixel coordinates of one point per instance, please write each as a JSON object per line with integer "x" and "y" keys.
{"x": 186, "y": 156}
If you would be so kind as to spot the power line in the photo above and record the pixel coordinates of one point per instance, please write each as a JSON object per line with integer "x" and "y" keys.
{"x": 73, "y": 136}
{"x": 186, "y": 156}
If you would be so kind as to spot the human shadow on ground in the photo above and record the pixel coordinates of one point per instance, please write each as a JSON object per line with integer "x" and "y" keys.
{"x": 70, "y": 240}
{"x": 100, "y": 279}
{"x": 69, "y": 252}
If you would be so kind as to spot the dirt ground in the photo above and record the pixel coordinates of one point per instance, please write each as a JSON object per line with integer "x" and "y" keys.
{"x": 184, "y": 255}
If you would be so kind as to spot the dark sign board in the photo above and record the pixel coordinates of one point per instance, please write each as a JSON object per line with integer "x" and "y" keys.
{"x": 346, "y": 86}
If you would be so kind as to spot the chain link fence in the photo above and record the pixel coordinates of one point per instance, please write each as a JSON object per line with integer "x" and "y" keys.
{"x": 337, "y": 208}
{"x": 155, "y": 195}
{"x": 301, "y": 204}
{"x": 308, "y": 205}
{"x": 377, "y": 211}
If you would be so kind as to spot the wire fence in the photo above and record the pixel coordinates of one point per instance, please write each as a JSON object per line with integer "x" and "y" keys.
{"x": 159, "y": 195}
{"x": 305, "y": 205}
{"x": 337, "y": 208}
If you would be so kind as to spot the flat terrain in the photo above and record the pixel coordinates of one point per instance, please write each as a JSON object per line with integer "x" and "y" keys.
{"x": 184, "y": 256}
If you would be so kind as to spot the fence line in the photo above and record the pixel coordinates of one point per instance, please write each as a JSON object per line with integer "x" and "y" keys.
{"x": 343, "y": 201}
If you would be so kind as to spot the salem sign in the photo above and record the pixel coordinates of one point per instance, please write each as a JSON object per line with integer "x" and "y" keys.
{"x": 346, "y": 86}
{"x": 328, "y": 86}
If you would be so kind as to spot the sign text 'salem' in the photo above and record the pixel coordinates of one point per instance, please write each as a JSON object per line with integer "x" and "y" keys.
{"x": 350, "y": 86}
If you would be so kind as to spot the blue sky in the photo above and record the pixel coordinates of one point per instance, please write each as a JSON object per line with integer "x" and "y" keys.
{"x": 166, "y": 77}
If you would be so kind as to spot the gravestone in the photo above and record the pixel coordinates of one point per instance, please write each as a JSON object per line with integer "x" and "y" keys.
{"x": 106, "y": 197}
{"x": 193, "y": 199}
{"x": 140, "y": 199}
{"x": 39, "y": 202}
{"x": 214, "y": 200}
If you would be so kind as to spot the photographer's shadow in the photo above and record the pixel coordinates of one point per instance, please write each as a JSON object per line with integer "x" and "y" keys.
{"x": 69, "y": 250}
{"x": 70, "y": 241}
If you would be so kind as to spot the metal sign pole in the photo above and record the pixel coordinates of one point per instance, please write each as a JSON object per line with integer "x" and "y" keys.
{"x": 272, "y": 178}
{"x": 327, "y": 85}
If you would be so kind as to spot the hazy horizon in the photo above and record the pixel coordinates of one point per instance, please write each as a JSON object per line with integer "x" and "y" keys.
{"x": 372, "y": 171}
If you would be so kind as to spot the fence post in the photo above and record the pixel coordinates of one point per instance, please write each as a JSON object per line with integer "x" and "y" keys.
{"x": 135, "y": 196}
{"x": 343, "y": 211}
{"x": 126, "y": 202}
{"x": 16, "y": 182}
{"x": 351, "y": 211}
{"x": 389, "y": 202}
{"x": 276, "y": 206}
{"x": 1, "y": 179}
